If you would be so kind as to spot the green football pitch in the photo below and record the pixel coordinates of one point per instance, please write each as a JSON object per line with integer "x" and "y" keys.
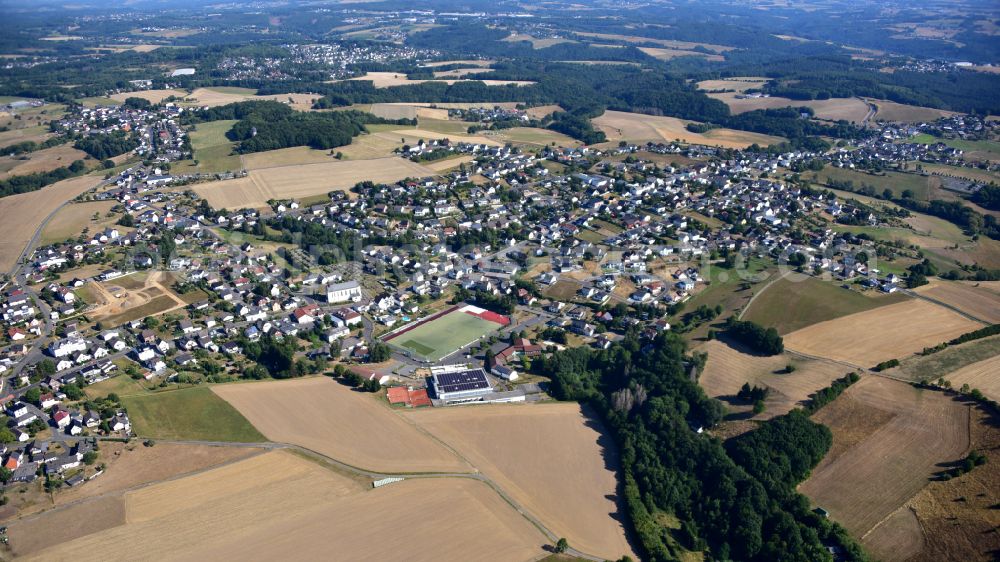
{"x": 443, "y": 336}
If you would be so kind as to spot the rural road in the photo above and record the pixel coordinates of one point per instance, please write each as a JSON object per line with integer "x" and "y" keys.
{"x": 758, "y": 293}
{"x": 917, "y": 295}
{"x": 271, "y": 445}
{"x": 38, "y": 232}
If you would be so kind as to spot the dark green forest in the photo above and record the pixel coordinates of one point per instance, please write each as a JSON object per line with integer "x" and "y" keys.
{"x": 736, "y": 501}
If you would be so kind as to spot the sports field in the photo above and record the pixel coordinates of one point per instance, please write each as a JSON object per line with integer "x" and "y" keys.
{"x": 439, "y": 337}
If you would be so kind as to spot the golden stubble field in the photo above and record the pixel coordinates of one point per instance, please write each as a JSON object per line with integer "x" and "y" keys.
{"x": 867, "y": 338}
{"x": 553, "y": 459}
{"x": 152, "y": 96}
{"x": 388, "y": 79}
{"x": 835, "y": 109}
{"x": 636, "y": 127}
{"x": 272, "y": 504}
{"x": 728, "y": 368}
{"x": 24, "y": 213}
{"x": 305, "y": 180}
{"x": 984, "y": 375}
{"x": 972, "y": 298}
{"x": 44, "y": 160}
{"x": 73, "y": 218}
{"x": 892, "y": 111}
{"x": 331, "y": 419}
{"x": 888, "y": 440}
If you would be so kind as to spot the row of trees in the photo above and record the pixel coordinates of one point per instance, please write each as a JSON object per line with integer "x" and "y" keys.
{"x": 31, "y": 182}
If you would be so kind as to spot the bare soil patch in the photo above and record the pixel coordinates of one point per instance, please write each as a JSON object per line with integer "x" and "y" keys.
{"x": 352, "y": 427}
{"x": 524, "y": 449}
{"x": 887, "y": 332}
{"x": 880, "y": 468}
{"x": 121, "y": 301}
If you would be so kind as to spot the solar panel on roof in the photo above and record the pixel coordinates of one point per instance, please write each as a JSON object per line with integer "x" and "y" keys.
{"x": 473, "y": 379}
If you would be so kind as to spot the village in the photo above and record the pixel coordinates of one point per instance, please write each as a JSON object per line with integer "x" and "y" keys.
{"x": 565, "y": 246}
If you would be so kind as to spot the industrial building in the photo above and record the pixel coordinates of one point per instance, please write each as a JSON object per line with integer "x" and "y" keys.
{"x": 458, "y": 383}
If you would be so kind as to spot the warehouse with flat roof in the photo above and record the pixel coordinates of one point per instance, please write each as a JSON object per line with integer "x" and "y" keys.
{"x": 461, "y": 385}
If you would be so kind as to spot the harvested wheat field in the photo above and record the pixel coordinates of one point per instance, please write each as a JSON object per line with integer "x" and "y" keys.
{"x": 892, "y": 111}
{"x": 736, "y": 83}
{"x": 300, "y": 102}
{"x": 667, "y": 54}
{"x": 213, "y": 97}
{"x": 152, "y": 96}
{"x": 958, "y": 518}
{"x": 970, "y": 298}
{"x": 388, "y": 79}
{"x": 265, "y": 506}
{"x": 898, "y": 538}
{"x": 835, "y": 109}
{"x": 888, "y": 439}
{"x": 867, "y": 338}
{"x": 33, "y": 534}
{"x": 44, "y": 160}
{"x": 526, "y": 449}
{"x": 24, "y": 213}
{"x": 447, "y": 164}
{"x": 636, "y": 127}
{"x": 479, "y": 63}
{"x": 461, "y": 72}
{"x": 984, "y": 375}
{"x": 728, "y": 368}
{"x": 132, "y": 465}
{"x": 305, "y": 180}
{"x": 294, "y": 156}
{"x": 327, "y": 417}
{"x": 73, "y": 218}
{"x": 412, "y": 136}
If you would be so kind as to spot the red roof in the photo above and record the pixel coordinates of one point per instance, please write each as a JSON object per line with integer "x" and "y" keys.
{"x": 397, "y": 395}
{"x": 419, "y": 398}
{"x": 11, "y": 463}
